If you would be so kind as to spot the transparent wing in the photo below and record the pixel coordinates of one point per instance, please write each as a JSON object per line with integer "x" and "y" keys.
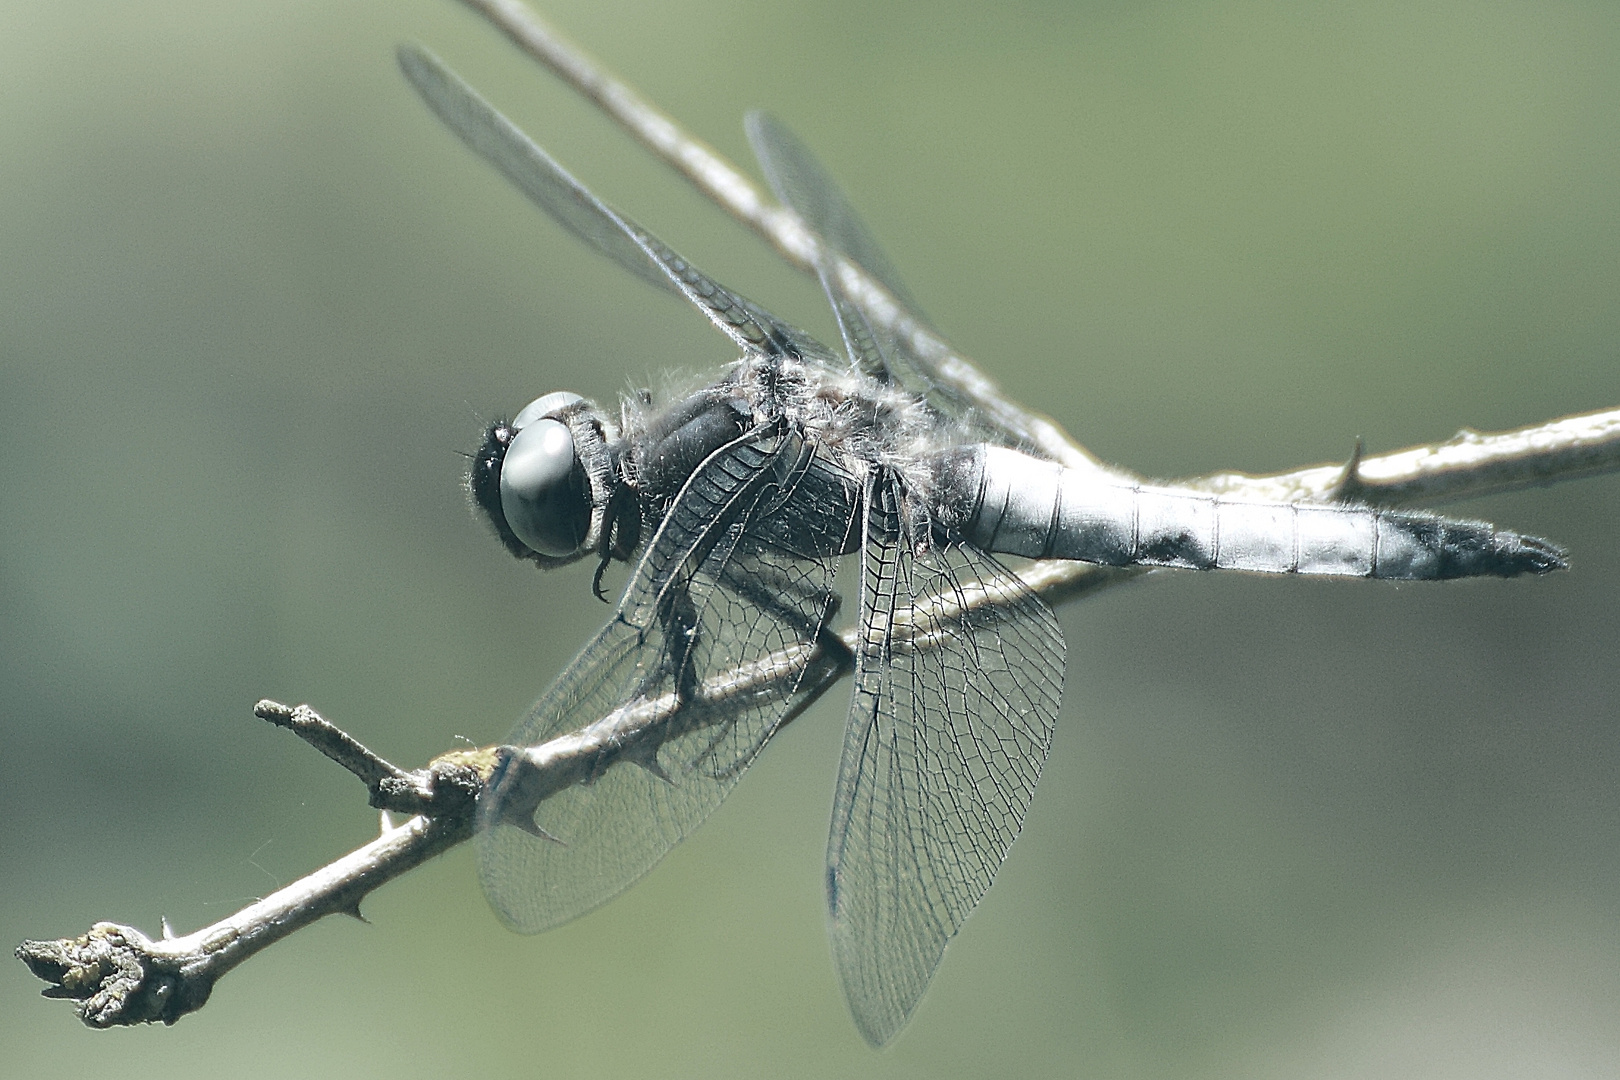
{"x": 800, "y": 182}
{"x": 678, "y": 693}
{"x": 549, "y": 186}
{"x": 953, "y": 711}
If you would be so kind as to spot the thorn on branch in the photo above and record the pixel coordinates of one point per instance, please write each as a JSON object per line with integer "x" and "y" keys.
{"x": 1348, "y": 487}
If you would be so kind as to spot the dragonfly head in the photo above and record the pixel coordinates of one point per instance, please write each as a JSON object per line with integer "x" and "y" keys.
{"x": 544, "y": 478}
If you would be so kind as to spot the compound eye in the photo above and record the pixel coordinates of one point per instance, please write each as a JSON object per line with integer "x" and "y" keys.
{"x": 543, "y": 405}
{"x": 543, "y": 490}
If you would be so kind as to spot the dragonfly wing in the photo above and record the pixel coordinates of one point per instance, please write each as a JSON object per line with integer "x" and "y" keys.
{"x": 952, "y": 715}
{"x": 549, "y": 186}
{"x": 679, "y": 692}
{"x": 802, "y": 183}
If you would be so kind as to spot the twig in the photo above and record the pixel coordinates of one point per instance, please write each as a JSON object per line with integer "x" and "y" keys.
{"x": 709, "y": 171}
{"x": 330, "y": 740}
{"x": 119, "y": 976}
{"x": 1467, "y": 465}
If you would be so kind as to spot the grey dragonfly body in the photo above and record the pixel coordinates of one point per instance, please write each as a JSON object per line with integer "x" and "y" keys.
{"x": 738, "y": 504}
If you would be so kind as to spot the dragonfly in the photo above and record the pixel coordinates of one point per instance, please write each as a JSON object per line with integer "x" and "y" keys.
{"x": 738, "y": 504}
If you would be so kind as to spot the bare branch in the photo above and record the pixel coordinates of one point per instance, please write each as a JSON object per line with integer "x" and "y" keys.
{"x": 119, "y": 976}
{"x": 435, "y": 791}
{"x": 330, "y": 740}
{"x": 1467, "y": 465}
{"x": 736, "y": 194}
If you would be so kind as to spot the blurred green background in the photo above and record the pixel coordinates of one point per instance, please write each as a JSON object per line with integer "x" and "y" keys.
{"x": 256, "y": 305}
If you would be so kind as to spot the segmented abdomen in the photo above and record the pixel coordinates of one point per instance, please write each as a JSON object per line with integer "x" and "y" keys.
{"x": 1014, "y": 504}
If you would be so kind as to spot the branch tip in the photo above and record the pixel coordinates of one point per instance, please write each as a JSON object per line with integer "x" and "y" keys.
{"x": 331, "y": 740}
{"x": 274, "y": 711}
{"x": 118, "y": 977}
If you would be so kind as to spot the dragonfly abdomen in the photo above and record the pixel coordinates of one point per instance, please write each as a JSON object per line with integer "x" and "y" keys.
{"x": 1019, "y": 505}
